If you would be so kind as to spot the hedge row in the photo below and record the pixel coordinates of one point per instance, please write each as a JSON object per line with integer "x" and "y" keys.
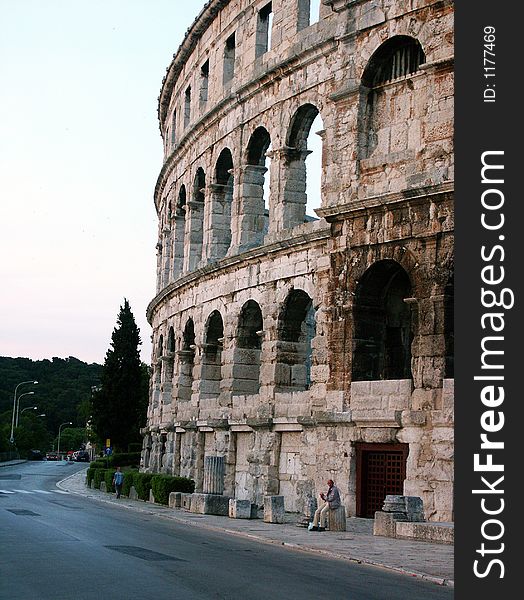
{"x": 162, "y": 485}
{"x": 122, "y": 459}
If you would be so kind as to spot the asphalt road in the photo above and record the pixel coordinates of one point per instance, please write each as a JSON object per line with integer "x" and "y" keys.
{"x": 59, "y": 546}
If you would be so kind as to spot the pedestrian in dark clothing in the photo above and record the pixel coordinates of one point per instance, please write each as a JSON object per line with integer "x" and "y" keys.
{"x": 118, "y": 480}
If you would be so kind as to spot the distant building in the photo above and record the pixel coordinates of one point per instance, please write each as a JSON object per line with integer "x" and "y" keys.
{"x": 303, "y": 348}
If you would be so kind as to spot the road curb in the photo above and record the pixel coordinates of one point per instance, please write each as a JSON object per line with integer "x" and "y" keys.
{"x": 293, "y": 546}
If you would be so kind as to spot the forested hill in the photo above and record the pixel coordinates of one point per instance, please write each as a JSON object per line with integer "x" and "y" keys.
{"x": 63, "y": 390}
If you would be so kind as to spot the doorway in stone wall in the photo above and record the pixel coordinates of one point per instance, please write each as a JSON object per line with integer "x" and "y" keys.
{"x": 381, "y": 470}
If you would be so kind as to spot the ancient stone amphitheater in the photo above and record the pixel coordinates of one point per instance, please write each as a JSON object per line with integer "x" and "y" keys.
{"x": 302, "y": 347}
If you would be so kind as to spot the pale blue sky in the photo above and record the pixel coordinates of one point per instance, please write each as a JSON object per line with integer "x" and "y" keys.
{"x": 80, "y": 152}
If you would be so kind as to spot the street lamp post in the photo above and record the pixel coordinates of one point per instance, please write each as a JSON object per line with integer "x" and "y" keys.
{"x": 18, "y": 406}
{"x": 29, "y": 408}
{"x": 12, "y": 437}
{"x": 59, "y": 430}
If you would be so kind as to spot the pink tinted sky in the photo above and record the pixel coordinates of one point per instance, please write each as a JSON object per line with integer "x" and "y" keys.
{"x": 80, "y": 151}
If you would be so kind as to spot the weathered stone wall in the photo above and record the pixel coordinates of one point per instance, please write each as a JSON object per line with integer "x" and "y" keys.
{"x": 280, "y": 341}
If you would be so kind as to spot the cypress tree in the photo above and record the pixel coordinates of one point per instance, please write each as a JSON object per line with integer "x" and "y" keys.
{"x": 119, "y": 407}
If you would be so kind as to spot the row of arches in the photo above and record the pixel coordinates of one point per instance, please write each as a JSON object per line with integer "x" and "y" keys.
{"x": 230, "y": 210}
{"x": 383, "y": 332}
{"x": 205, "y": 219}
{"x": 295, "y": 332}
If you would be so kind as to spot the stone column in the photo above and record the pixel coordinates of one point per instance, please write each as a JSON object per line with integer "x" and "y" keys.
{"x": 217, "y": 229}
{"x": 250, "y": 232}
{"x": 288, "y": 188}
{"x": 194, "y": 243}
{"x": 213, "y": 475}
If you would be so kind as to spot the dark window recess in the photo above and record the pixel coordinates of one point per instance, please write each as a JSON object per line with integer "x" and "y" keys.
{"x": 204, "y": 81}
{"x": 263, "y": 37}
{"x": 187, "y": 107}
{"x": 229, "y": 59}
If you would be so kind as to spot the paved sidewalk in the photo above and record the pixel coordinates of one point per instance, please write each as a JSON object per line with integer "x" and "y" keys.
{"x": 433, "y": 562}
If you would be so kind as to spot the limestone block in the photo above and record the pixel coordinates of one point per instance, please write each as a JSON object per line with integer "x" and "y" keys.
{"x": 239, "y": 509}
{"x": 336, "y": 520}
{"x": 274, "y": 509}
{"x": 175, "y": 500}
{"x": 384, "y": 524}
{"x": 151, "y": 497}
{"x": 103, "y": 486}
{"x": 210, "y": 504}
{"x": 132, "y": 493}
{"x": 185, "y": 500}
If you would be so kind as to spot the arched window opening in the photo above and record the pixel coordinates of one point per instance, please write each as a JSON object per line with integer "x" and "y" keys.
{"x": 160, "y": 347}
{"x": 196, "y": 221}
{"x": 186, "y": 362}
{"x": 295, "y": 190}
{"x": 254, "y": 214}
{"x": 246, "y": 368}
{"x": 296, "y": 329}
{"x": 398, "y": 57}
{"x": 449, "y": 328}
{"x": 385, "y": 115}
{"x": 212, "y": 356}
{"x": 219, "y": 233}
{"x": 179, "y": 217}
{"x": 171, "y": 340}
{"x": 382, "y": 321}
{"x": 314, "y": 167}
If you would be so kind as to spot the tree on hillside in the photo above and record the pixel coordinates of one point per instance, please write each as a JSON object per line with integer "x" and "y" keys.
{"x": 119, "y": 406}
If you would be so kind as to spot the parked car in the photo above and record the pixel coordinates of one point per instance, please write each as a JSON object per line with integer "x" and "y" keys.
{"x": 35, "y": 455}
{"x": 51, "y": 456}
{"x": 81, "y": 456}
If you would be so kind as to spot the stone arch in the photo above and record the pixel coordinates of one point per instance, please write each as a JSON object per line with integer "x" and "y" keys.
{"x": 186, "y": 360}
{"x": 211, "y": 374}
{"x": 196, "y": 220}
{"x": 385, "y": 110}
{"x": 382, "y": 324}
{"x": 246, "y": 367}
{"x": 296, "y": 153}
{"x": 219, "y": 222}
{"x": 179, "y": 217}
{"x": 254, "y": 214}
{"x": 295, "y": 332}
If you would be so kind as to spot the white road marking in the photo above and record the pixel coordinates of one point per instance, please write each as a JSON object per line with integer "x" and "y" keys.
{"x": 60, "y": 492}
{"x": 41, "y": 492}
{"x": 22, "y": 491}
{"x": 6, "y": 492}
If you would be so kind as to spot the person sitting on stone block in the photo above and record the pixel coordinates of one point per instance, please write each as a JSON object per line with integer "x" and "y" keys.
{"x": 331, "y": 502}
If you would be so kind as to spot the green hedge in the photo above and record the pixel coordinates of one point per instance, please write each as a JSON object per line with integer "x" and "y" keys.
{"x": 163, "y": 485}
{"x": 99, "y": 463}
{"x": 128, "y": 482}
{"x": 142, "y": 483}
{"x": 98, "y": 477}
{"x": 108, "y": 477}
{"x": 89, "y": 475}
{"x": 124, "y": 459}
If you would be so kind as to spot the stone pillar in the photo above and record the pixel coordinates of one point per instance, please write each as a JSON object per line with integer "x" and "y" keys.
{"x": 166, "y": 257}
{"x": 250, "y": 232}
{"x": 289, "y": 183}
{"x": 213, "y": 475}
{"x": 179, "y": 221}
{"x": 194, "y": 243}
{"x": 217, "y": 227}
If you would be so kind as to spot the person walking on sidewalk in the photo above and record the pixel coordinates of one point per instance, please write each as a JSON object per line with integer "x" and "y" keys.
{"x": 331, "y": 501}
{"x": 118, "y": 480}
